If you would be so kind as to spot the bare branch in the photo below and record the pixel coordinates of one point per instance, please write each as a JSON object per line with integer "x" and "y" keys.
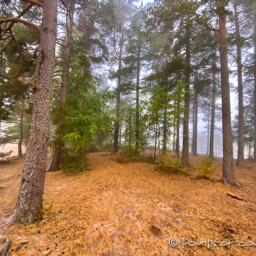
{"x": 24, "y": 10}
{"x": 34, "y": 2}
{"x": 20, "y": 15}
{"x": 17, "y": 20}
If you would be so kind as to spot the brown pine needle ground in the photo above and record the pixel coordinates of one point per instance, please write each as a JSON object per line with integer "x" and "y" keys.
{"x": 132, "y": 209}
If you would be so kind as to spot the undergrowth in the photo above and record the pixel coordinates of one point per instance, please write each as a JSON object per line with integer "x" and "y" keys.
{"x": 73, "y": 162}
{"x": 135, "y": 159}
{"x": 171, "y": 164}
{"x": 130, "y": 151}
{"x": 130, "y": 154}
{"x": 206, "y": 169}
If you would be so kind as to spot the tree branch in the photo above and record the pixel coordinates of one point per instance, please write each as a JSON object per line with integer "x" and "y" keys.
{"x": 33, "y": 2}
{"x": 20, "y": 15}
{"x": 237, "y": 197}
{"x": 18, "y": 20}
{"x": 24, "y": 10}
{"x": 204, "y": 23}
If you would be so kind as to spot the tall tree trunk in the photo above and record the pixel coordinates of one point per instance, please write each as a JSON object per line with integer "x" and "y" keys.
{"x": 21, "y": 127}
{"x": 118, "y": 94}
{"x": 240, "y": 152}
{"x": 208, "y": 132}
{"x": 57, "y": 151}
{"x": 29, "y": 205}
{"x": 228, "y": 166}
{"x": 177, "y": 143}
{"x": 165, "y": 127}
{"x": 173, "y": 137}
{"x": 195, "y": 123}
{"x": 185, "y": 148}
{"x": 213, "y": 109}
{"x": 130, "y": 130}
{"x": 155, "y": 146}
{"x": 137, "y": 121}
{"x": 254, "y": 93}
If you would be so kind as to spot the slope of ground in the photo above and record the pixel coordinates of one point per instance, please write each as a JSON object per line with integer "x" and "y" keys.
{"x": 133, "y": 209}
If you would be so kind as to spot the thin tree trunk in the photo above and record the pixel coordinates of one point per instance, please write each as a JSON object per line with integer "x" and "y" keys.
{"x": 21, "y": 127}
{"x": 212, "y": 125}
{"x": 137, "y": 122}
{"x": 177, "y": 144}
{"x": 254, "y": 93}
{"x": 130, "y": 127}
{"x": 159, "y": 141}
{"x": 208, "y": 139}
{"x": 195, "y": 123}
{"x": 173, "y": 137}
{"x": 165, "y": 127}
{"x": 185, "y": 148}
{"x": 240, "y": 153}
{"x": 155, "y": 147}
{"x": 120, "y": 132}
{"x": 228, "y": 166}
{"x": 57, "y": 151}
{"x": 118, "y": 94}
{"x": 29, "y": 205}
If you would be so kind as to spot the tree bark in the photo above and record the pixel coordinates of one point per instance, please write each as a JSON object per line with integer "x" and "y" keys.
{"x": 240, "y": 152}
{"x": 212, "y": 124}
{"x": 118, "y": 94}
{"x": 185, "y": 148}
{"x": 57, "y": 151}
{"x": 254, "y": 91}
{"x": 21, "y": 127}
{"x": 156, "y": 134}
{"x": 228, "y": 167}
{"x": 195, "y": 123}
{"x": 165, "y": 128}
{"x": 177, "y": 142}
{"x": 137, "y": 122}
{"x": 29, "y": 205}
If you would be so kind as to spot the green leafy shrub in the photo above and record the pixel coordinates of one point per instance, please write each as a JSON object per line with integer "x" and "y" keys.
{"x": 206, "y": 168}
{"x": 171, "y": 164}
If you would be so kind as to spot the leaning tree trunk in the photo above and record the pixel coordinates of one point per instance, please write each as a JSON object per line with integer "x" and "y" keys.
{"x": 228, "y": 168}
{"x": 29, "y": 205}
{"x": 57, "y": 151}
{"x": 240, "y": 153}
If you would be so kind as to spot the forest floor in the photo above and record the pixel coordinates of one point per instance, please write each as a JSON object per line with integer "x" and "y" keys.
{"x": 133, "y": 209}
